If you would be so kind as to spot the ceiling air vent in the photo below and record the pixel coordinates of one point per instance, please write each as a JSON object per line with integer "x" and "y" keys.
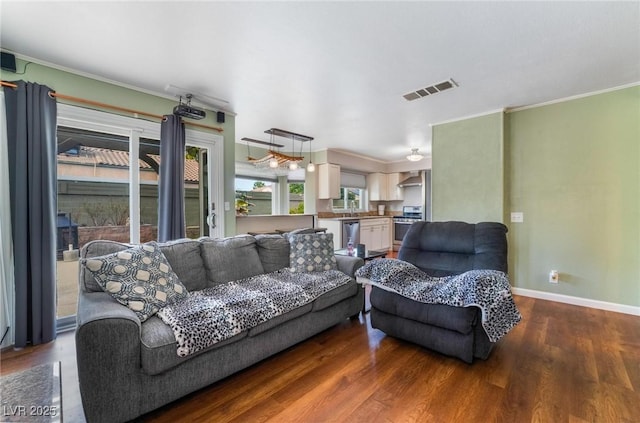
{"x": 412, "y": 96}
{"x": 430, "y": 90}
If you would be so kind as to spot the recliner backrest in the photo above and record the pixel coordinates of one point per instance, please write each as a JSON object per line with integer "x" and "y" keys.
{"x": 451, "y": 248}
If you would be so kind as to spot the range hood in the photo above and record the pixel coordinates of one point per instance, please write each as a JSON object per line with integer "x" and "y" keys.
{"x": 412, "y": 181}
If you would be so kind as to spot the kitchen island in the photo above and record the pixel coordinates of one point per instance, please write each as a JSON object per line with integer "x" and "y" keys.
{"x": 274, "y": 223}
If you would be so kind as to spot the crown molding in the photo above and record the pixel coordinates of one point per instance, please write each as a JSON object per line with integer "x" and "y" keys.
{"x": 574, "y": 97}
{"x": 107, "y": 80}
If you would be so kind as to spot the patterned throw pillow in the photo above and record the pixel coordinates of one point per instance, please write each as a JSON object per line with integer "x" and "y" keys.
{"x": 312, "y": 253}
{"x": 140, "y": 278}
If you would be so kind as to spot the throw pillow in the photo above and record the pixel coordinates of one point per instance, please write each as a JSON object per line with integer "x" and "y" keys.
{"x": 311, "y": 253}
{"x": 140, "y": 278}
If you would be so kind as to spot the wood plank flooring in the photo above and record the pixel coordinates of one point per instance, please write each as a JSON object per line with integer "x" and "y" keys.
{"x": 562, "y": 363}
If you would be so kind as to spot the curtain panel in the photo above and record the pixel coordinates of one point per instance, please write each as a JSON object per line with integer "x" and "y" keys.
{"x": 31, "y": 142}
{"x": 7, "y": 282}
{"x": 171, "y": 214}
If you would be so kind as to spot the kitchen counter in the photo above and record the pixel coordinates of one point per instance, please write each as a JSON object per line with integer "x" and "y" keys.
{"x": 375, "y": 231}
{"x": 356, "y": 217}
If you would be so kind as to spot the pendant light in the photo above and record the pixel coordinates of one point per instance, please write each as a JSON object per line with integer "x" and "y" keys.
{"x": 310, "y": 167}
{"x": 293, "y": 165}
{"x": 273, "y": 162}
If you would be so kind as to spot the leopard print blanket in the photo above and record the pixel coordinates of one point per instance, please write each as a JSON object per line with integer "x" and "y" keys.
{"x": 214, "y": 314}
{"x": 487, "y": 289}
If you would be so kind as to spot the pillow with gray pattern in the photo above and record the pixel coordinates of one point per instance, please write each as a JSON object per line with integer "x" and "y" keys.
{"x": 140, "y": 278}
{"x": 311, "y": 253}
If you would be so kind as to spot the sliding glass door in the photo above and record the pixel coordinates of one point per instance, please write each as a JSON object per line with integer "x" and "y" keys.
{"x": 108, "y": 168}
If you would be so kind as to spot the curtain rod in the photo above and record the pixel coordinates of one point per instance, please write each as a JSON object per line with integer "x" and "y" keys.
{"x": 109, "y": 106}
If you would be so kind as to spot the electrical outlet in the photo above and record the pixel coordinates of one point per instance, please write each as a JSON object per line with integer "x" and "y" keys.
{"x": 554, "y": 277}
{"x": 517, "y": 217}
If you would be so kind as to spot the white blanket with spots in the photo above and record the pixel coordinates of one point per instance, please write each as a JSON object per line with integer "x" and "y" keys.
{"x": 214, "y": 314}
{"x": 487, "y": 289}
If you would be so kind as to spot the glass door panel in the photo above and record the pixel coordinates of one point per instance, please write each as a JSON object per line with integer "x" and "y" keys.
{"x": 198, "y": 214}
{"x": 93, "y": 193}
{"x": 149, "y": 154}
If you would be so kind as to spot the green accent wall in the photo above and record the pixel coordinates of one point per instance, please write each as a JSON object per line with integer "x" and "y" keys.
{"x": 468, "y": 170}
{"x": 573, "y": 169}
{"x": 91, "y": 89}
{"x": 575, "y": 174}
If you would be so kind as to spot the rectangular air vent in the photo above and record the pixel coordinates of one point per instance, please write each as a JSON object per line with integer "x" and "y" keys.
{"x": 430, "y": 90}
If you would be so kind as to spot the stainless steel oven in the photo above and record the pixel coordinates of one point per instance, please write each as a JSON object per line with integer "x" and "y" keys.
{"x": 401, "y": 224}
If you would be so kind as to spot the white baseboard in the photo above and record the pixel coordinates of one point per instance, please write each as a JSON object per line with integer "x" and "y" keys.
{"x": 584, "y": 302}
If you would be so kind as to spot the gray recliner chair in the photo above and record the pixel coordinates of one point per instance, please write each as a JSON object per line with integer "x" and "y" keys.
{"x": 443, "y": 249}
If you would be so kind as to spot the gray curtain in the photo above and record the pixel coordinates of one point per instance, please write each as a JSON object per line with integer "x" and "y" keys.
{"x": 171, "y": 221}
{"x": 31, "y": 138}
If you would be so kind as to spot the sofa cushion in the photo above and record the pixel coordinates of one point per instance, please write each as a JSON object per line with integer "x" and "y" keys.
{"x": 451, "y": 248}
{"x": 140, "y": 278}
{"x": 186, "y": 262}
{"x": 273, "y": 251}
{"x": 312, "y": 253}
{"x": 278, "y": 320}
{"x": 230, "y": 259}
{"x": 459, "y": 319}
{"x": 159, "y": 349}
{"x": 335, "y": 296}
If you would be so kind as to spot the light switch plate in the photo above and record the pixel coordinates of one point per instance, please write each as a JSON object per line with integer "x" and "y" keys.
{"x": 517, "y": 217}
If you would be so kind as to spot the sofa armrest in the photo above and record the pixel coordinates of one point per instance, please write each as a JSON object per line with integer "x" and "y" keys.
{"x": 93, "y": 306}
{"x": 349, "y": 264}
{"x": 108, "y": 351}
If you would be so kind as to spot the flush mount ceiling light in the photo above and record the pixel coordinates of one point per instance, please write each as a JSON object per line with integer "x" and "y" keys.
{"x": 431, "y": 90}
{"x": 415, "y": 156}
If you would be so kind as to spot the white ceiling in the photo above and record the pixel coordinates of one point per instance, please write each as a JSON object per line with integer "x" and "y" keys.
{"x": 337, "y": 71}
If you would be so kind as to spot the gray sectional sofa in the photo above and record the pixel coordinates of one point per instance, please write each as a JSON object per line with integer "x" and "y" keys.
{"x": 127, "y": 368}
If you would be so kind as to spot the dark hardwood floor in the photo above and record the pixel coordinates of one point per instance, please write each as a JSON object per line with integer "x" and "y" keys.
{"x": 562, "y": 363}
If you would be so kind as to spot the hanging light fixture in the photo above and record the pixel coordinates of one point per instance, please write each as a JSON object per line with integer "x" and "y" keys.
{"x": 310, "y": 167}
{"x": 415, "y": 156}
{"x": 273, "y": 162}
{"x": 293, "y": 165}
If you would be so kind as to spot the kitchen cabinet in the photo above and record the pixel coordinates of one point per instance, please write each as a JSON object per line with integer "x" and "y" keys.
{"x": 394, "y": 192}
{"x": 384, "y": 187}
{"x": 334, "y": 227}
{"x": 375, "y": 234}
{"x": 328, "y": 181}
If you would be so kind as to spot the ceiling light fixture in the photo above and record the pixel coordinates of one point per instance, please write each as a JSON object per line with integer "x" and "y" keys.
{"x": 278, "y": 162}
{"x": 273, "y": 162}
{"x": 293, "y": 165}
{"x": 415, "y": 156}
{"x": 310, "y": 167}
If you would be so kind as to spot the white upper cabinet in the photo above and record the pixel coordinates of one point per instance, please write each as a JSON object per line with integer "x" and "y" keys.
{"x": 384, "y": 187}
{"x": 328, "y": 181}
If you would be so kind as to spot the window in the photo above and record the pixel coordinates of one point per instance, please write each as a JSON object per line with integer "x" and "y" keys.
{"x": 254, "y": 196}
{"x": 296, "y": 197}
{"x": 352, "y": 189}
{"x": 349, "y": 198}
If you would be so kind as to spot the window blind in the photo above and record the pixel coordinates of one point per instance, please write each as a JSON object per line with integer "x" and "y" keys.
{"x": 352, "y": 180}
